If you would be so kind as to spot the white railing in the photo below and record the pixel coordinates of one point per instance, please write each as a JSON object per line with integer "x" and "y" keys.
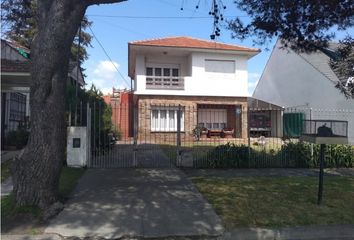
{"x": 163, "y": 82}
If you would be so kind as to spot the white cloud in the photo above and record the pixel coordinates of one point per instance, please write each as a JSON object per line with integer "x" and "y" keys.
{"x": 253, "y": 79}
{"x": 104, "y": 76}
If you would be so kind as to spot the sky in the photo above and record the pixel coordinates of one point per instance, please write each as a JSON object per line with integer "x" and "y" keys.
{"x": 114, "y": 25}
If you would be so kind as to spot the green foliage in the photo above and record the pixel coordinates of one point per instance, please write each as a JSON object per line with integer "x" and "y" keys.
{"x": 68, "y": 179}
{"x": 302, "y": 22}
{"x": 343, "y": 66}
{"x": 117, "y": 133}
{"x": 226, "y": 156}
{"x": 20, "y": 25}
{"x": 298, "y": 155}
{"x": 8, "y": 208}
{"x": 101, "y": 114}
{"x": 67, "y": 183}
{"x": 338, "y": 156}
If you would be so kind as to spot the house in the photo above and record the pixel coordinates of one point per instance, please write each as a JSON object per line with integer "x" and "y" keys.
{"x": 206, "y": 80}
{"x": 305, "y": 81}
{"x": 15, "y": 85}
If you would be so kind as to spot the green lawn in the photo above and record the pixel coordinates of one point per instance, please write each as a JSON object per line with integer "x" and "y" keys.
{"x": 278, "y": 201}
{"x": 68, "y": 180}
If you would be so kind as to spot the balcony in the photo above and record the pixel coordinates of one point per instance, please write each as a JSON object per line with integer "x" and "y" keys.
{"x": 165, "y": 82}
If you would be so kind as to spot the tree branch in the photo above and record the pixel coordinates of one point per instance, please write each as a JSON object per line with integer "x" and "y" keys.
{"x": 93, "y": 2}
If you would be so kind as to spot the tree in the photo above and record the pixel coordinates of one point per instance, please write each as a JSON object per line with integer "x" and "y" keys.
{"x": 36, "y": 170}
{"x": 343, "y": 66}
{"x": 306, "y": 23}
{"x": 101, "y": 113}
{"x": 302, "y": 25}
{"x": 18, "y": 16}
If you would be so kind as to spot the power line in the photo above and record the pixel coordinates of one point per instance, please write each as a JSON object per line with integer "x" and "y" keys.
{"x": 125, "y": 29}
{"x": 105, "y": 52}
{"x": 157, "y": 17}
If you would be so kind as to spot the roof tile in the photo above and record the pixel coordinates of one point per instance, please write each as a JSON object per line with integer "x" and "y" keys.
{"x": 188, "y": 42}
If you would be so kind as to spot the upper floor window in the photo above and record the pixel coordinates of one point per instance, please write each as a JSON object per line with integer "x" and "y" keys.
{"x": 164, "y": 78}
{"x": 219, "y": 66}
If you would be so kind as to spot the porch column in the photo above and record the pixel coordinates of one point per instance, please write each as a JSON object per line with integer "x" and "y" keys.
{"x": 244, "y": 119}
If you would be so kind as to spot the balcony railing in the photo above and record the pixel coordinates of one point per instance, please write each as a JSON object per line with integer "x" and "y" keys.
{"x": 163, "y": 82}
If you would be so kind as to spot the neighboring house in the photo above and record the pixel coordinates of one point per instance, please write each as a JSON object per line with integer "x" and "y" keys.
{"x": 121, "y": 102}
{"x": 207, "y": 79}
{"x": 305, "y": 81}
{"x": 15, "y": 85}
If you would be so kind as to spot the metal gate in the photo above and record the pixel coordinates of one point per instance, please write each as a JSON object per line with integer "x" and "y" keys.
{"x": 117, "y": 142}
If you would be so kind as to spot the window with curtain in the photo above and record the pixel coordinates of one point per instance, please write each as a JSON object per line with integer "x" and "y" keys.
{"x": 212, "y": 118}
{"x": 164, "y": 119}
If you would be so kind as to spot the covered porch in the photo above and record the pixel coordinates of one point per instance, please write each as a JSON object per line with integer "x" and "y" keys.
{"x": 220, "y": 120}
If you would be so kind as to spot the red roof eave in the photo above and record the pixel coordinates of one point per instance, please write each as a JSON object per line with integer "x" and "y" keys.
{"x": 187, "y": 42}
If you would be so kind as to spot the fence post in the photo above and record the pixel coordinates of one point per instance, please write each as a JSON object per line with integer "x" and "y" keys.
{"x": 178, "y": 149}
{"x": 320, "y": 181}
{"x": 88, "y": 129}
{"x": 249, "y": 137}
{"x": 135, "y": 135}
{"x": 69, "y": 115}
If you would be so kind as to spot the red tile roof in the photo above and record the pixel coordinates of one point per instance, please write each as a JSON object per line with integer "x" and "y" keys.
{"x": 15, "y": 66}
{"x": 188, "y": 42}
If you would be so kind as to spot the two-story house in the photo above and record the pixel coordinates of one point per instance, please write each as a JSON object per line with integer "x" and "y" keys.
{"x": 209, "y": 80}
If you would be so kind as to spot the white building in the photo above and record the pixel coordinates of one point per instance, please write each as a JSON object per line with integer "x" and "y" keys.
{"x": 306, "y": 82}
{"x": 209, "y": 80}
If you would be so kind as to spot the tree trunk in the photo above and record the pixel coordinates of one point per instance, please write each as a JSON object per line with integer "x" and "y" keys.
{"x": 36, "y": 171}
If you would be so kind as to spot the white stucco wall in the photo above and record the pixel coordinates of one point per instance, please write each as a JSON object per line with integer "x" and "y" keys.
{"x": 197, "y": 81}
{"x": 77, "y": 157}
{"x": 289, "y": 81}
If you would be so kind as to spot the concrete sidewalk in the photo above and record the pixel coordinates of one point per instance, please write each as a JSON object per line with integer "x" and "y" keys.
{"x": 317, "y": 232}
{"x": 267, "y": 172}
{"x": 31, "y": 237}
{"x": 114, "y": 203}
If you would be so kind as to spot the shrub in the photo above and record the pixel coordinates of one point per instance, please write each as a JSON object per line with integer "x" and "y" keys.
{"x": 117, "y": 133}
{"x": 339, "y": 156}
{"x": 298, "y": 155}
{"x": 225, "y": 156}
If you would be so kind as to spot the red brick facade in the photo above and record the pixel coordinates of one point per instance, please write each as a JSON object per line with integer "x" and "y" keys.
{"x": 121, "y": 102}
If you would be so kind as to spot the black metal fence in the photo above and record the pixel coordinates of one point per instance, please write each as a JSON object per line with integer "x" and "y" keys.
{"x": 15, "y": 122}
{"x": 211, "y": 136}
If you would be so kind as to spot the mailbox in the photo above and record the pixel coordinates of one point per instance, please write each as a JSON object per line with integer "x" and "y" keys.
{"x": 325, "y": 131}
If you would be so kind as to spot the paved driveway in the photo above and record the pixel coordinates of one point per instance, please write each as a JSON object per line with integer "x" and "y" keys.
{"x": 113, "y": 203}
{"x": 121, "y": 156}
